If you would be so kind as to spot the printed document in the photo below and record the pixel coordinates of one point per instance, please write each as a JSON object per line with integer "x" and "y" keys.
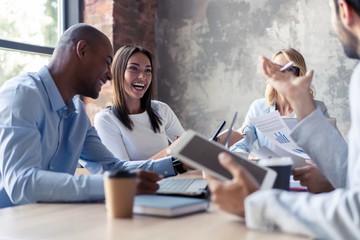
{"x": 274, "y": 128}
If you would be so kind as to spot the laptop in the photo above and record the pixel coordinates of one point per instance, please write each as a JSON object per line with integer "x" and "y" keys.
{"x": 194, "y": 187}
{"x": 191, "y": 187}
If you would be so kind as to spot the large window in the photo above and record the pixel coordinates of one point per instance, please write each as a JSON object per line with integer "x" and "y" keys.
{"x": 29, "y": 31}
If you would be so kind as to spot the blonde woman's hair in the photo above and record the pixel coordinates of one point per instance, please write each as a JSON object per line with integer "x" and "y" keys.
{"x": 290, "y": 54}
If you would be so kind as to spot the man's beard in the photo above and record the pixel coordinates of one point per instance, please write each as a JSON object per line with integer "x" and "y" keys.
{"x": 349, "y": 41}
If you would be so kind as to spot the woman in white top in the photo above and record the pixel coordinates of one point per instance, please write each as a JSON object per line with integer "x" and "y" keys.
{"x": 136, "y": 127}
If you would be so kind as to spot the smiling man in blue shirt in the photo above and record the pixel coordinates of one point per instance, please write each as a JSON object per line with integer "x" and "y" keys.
{"x": 44, "y": 129}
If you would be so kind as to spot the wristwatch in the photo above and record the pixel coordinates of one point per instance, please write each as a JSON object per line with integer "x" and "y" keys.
{"x": 178, "y": 166}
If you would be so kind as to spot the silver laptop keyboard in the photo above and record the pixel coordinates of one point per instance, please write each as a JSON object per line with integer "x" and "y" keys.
{"x": 175, "y": 185}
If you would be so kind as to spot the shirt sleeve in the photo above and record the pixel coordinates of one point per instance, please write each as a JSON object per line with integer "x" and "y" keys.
{"x": 325, "y": 145}
{"x": 323, "y": 216}
{"x": 322, "y": 107}
{"x": 111, "y": 135}
{"x": 173, "y": 127}
{"x": 26, "y": 181}
{"x": 245, "y": 145}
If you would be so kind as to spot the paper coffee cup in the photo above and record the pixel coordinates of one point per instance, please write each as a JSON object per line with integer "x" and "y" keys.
{"x": 282, "y": 166}
{"x": 120, "y": 189}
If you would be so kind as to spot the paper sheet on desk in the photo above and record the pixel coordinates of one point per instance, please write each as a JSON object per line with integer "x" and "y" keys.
{"x": 275, "y": 129}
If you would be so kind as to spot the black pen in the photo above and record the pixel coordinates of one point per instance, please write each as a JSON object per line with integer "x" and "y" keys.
{"x": 215, "y": 138}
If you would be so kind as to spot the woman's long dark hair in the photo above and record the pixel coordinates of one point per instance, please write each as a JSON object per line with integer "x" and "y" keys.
{"x": 118, "y": 69}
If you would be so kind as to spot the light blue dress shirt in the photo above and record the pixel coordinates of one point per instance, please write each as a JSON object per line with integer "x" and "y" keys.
{"x": 42, "y": 140}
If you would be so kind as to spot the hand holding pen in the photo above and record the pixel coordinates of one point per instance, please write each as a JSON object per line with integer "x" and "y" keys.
{"x": 296, "y": 89}
{"x": 273, "y": 70}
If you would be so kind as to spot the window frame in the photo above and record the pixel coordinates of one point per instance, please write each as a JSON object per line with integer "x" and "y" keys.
{"x": 70, "y": 13}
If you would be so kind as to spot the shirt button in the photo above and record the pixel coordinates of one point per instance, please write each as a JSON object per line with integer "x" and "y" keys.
{"x": 166, "y": 172}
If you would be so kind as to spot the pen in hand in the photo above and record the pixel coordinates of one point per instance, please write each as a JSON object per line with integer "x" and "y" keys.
{"x": 287, "y": 66}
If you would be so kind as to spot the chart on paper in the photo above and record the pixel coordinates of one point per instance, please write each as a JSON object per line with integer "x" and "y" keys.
{"x": 274, "y": 128}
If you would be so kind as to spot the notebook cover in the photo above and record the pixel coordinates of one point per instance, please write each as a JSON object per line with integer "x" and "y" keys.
{"x": 168, "y": 206}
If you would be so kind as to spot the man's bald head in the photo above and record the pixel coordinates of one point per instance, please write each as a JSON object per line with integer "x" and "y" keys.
{"x": 79, "y": 32}
{"x": 81, "y": 61}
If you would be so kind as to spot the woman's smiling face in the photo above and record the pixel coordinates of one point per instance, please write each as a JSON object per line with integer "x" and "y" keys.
{"x": 137, "y": 76}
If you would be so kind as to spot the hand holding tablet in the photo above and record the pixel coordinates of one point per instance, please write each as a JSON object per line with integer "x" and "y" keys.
{"x": 198, "y": 152}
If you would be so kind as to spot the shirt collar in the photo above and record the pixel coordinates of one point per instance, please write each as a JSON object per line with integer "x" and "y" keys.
{"x": 56, "y": 101}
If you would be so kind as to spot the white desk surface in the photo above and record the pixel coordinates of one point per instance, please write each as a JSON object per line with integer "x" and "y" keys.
{"x": 89, "y": 221}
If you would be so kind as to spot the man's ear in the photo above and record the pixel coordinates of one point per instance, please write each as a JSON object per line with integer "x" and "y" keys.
{"x": 81, "y": 48}
{"x": 346, "y": 14}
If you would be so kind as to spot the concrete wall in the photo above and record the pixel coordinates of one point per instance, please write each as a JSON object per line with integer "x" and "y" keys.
{"x": 208, "y": 55}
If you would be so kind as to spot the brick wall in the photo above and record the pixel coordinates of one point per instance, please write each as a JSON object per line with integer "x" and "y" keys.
{"x": 134, "y": 22}
{"x": 123, "y": 21}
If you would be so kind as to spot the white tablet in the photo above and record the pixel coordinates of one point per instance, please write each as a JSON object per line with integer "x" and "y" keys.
{"x": 198, "y": 152}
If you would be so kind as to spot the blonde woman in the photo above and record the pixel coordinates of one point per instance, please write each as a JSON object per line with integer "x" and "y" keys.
{"x": 309, "y": 175}
{"x": 273, "y": 101}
